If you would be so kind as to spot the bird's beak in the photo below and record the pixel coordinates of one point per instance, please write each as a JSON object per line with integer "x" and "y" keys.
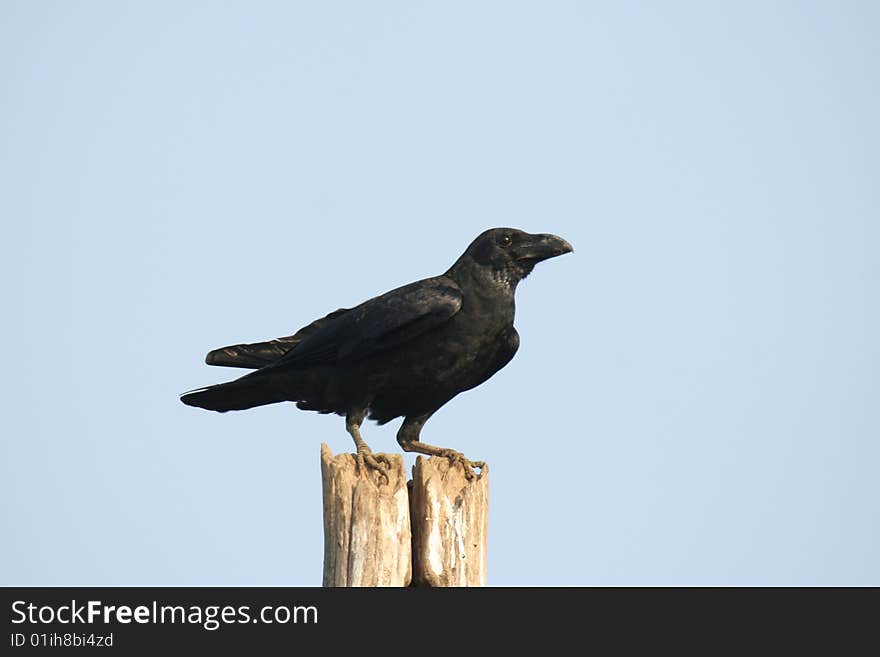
{"x": 542, "y": 247}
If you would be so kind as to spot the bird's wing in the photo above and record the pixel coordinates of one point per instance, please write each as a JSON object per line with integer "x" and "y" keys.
{"x": 260, "y": 354}
{"x": 381, "y": 323}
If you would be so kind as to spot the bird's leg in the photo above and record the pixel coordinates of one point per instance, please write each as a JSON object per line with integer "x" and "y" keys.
{"x": 365, "y": 456}
{"x": 408, "y": 439}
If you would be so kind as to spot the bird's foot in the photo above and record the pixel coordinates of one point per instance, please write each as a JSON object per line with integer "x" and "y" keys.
{"x": 453, "y": 456}
{"x": 469, "y": 466}
{"x": 378, "y": 463}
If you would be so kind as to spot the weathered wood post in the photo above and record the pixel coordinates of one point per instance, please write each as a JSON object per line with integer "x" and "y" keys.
{"x": 450, "y": 524}
{"x": 367, "y": 540}
{"x": 377, "y": 533}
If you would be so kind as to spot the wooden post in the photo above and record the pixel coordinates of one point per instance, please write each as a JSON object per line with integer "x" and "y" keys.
{"x": 367, "y": 540}
{"x": 450, "y": 524}
{"x": 367, "y": 537}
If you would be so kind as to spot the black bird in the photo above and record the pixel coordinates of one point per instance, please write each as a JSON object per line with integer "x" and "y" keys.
{"x": 404, "y": 353}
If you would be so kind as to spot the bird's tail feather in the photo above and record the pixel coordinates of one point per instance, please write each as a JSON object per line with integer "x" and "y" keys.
{"x": 259, "y": 354}
{"x": 252, "y": 356}
{"x": 237, "y": 395}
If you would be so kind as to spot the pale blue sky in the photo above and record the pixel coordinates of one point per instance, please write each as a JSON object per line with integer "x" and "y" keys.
{"x": 695, "y": 400}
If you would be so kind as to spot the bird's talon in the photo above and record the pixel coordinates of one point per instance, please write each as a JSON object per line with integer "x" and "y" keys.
{"x": 366, "y": 461}
{"x": 468, "y": 465}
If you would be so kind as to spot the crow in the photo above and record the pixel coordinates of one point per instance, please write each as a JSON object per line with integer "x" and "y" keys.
{"x": 404, "y": 353}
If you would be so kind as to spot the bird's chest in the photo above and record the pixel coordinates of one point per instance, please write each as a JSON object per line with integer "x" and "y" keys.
{"x": 468, "y": 349}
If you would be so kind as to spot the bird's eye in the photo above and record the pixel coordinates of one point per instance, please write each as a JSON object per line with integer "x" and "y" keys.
{"x": 505, "y": 240}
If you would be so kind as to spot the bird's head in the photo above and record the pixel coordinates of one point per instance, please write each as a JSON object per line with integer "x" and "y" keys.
{"x": 511, "y": 254}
